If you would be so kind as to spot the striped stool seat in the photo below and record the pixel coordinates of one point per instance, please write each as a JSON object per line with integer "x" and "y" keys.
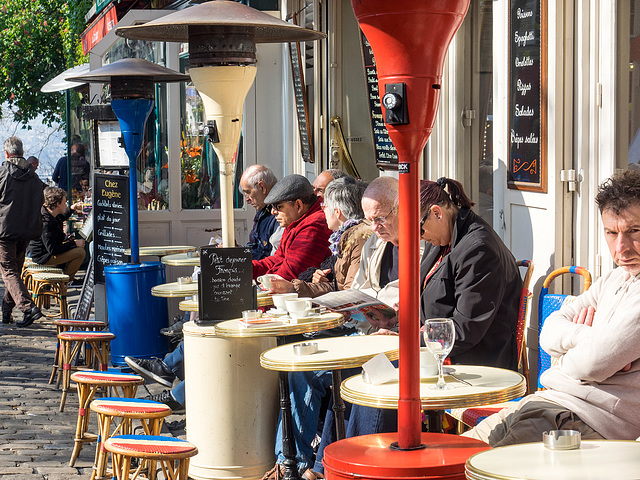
{"x": 28, "y": 271}
{"x": 150, "y": 414}
{"x": 122, "y": 385}
{"x": 47, "y": 286}
{"x": 171, "y": 453}
{"x": 64, "y": 325}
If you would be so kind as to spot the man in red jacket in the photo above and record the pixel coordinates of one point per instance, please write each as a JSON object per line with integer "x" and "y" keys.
{"x": 305, "y": 241}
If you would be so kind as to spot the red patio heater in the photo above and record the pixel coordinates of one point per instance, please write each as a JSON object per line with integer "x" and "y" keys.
{"x": 409, "y": 39}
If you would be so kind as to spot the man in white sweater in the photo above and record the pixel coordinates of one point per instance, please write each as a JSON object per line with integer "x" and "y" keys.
{"x": 595, "y": 387}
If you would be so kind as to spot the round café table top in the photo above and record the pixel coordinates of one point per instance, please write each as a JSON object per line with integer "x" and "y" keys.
{"x": 488, "y": 385}
{"x": 180, "y": 260}
{"x": 175, "y": 289}
{"x": 235, "y": 328}
{"x": 161, "y": 251}
{"x": 192, "y": 305}
{"x": 333, "y": 353}
{"x": 595, "y": 459}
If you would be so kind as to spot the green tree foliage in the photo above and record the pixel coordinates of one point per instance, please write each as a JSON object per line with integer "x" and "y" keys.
{"x": 38, "y": 40}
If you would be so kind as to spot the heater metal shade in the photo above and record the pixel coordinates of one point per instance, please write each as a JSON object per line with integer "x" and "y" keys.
{"x": 131, "y": 67}
{"x": 221, "y": 14}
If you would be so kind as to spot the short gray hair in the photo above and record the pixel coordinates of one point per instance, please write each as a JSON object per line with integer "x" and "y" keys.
{"x": 345, "y": 193}
{"x": 13, "y": 147}
{"x": 383, "y": 190}
{"x": 336, "y": 173}
{"x": 260, "y": 173}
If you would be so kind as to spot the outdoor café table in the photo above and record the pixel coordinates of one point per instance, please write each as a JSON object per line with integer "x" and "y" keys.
{"x": 161, "y": 251}
{"x": 229, "y": 393}
{"x": 488, "y": 385}
{"x": 181, "y": 260}
{"x": 595, "y": 459}
{"x": 333, "y": 354}
{"x": 175, "y": 289}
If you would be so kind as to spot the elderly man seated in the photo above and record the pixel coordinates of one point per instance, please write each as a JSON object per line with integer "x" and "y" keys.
{"x": 595, "y": 388}
{"x": 378, "y": 276}
{"x": 305, "y": 241}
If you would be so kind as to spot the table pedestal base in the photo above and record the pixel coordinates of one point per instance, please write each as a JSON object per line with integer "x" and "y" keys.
{"x": 369, "y": 457}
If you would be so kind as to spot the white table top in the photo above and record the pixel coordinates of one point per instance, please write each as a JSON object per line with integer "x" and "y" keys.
{"x": 235, "y": 328}
{"x": 175, "y": 289}
{"x": 181, "y": 260}
{"x": 595, "y": 459}
{"x": 489, "y": 385}
{"x": 333, "y": 353}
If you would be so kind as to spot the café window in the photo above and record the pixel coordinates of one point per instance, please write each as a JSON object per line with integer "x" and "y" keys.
{"x": 199, "y": 173}
{"x": 152, "y": 164}
{"x": 633, "y": 68}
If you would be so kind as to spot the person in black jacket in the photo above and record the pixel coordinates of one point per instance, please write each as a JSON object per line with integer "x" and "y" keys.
{"x": 20, "y": 202}
{"x": 54, "y": 248}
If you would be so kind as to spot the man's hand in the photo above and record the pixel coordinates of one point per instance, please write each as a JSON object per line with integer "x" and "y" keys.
{"x": 280, "y": 285}
{"x": 321, "y": 275}
{"x": 379, "y": 320}
{"x": 80, "y": 243}
{"x": 585, "y": 317}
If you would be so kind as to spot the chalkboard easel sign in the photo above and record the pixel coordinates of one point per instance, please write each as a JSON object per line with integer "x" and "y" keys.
{"x": 110, "y": 221}
{"x": 224, "y": 284}
{"x": 385, "y": 151}
{"x": 301, "y": 102}
{"x": 83, "y": 309}
{"x": 527, "y": 168}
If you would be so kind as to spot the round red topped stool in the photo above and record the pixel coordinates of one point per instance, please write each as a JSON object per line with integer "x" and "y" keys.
{"x": 171, "y": 453}
{"x": 118, "y": 384}
{"x": 150, "y": 414}
{"x": 65, "y": 325}
{"x": 370, "y": 457}
{"x": 70, "y": 344}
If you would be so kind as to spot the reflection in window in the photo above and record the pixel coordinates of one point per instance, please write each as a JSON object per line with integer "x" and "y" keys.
{"x": 152, "y": 164}
{"x": 199, "y": 173}
{"x": 634, "y": 85}
{"x": 485, "y": 79}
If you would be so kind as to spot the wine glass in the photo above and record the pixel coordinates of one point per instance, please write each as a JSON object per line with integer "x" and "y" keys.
{"x": 439, "y": 335}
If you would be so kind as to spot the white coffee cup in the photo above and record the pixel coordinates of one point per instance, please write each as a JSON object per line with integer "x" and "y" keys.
{"x": 251, "y": 314}
{"x": 279, "y": 300}
{"x": 428, "y": 363}
{"x": 265, "y": 280}
{"x": 299, "y": 307}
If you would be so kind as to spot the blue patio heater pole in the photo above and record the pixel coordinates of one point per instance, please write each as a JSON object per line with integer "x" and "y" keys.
{"x": 132, "y": 115}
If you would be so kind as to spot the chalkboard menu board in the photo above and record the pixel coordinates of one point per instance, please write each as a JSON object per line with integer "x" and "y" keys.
{"x": 224, "y": 286}
{"x": 527, "y": 153}
{"x": 301, "y": 102}
{"x": 110, "y": 221}
{"x": 385, "y": 152}
{"x": 83, "y": 309}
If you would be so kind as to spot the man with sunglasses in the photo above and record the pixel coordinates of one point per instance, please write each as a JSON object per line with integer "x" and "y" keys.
{"x": 305, "y": 241}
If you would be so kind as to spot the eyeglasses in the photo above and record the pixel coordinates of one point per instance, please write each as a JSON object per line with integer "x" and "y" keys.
{"x": 424, "y": 219}
{"x": 278, "y": 206}
{"x": 382, "y": 220}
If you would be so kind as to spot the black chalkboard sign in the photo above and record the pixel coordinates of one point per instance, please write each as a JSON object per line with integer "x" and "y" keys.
{"x": 301, "y": 102}
{"x": 224, "y": 285}
{"x": 110, "y": 221}
{"x": 83, "y": 309}
{"x": 527, "y": 154}
{"x": 385, "y": 152}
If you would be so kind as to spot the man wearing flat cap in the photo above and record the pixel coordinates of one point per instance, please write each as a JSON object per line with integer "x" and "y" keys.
{"x": 305, "y": 241}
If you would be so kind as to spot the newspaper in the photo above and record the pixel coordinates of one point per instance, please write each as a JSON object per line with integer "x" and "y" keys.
{"x": 357, "y": 303}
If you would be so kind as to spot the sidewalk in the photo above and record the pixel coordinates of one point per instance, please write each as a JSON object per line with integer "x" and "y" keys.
{"x": 36, "y": 440}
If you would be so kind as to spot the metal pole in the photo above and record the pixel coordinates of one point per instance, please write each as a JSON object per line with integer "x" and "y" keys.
{"x": 67, "y": 97}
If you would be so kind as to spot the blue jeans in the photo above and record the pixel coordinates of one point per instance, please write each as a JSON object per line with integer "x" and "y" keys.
{"x": 175, "y": 361}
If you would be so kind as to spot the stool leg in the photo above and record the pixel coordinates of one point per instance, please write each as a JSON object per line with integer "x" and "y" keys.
{"x": 104, "y": 432}
{"x": 85, "y": 395}
{"x": 66, "y": 371}
{"x": 183, "y": 473}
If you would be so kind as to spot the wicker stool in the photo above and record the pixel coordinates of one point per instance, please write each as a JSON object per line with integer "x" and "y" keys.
{"x": 120, "y": 385}
{"x": 151, "y": 415}
{"x": 47, "y": 286}
{"x": 28, "y": 271}
{"x": 65, "y": 325}
{"x": 70, "y": 344}
{"x": 172, "y": 453}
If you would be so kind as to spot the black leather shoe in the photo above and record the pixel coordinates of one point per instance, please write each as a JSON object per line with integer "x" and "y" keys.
{"x": 6, "y": 317}
{"x": 30, "y": 316}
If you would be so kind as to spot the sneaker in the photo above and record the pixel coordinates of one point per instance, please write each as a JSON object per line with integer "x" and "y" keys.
{"x": 30, "y": 316}
{"x": 166, "y": 398}
{"x": 152, "y": 368}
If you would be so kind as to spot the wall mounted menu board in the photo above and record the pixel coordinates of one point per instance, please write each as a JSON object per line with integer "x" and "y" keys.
{"x": 224, "y": 285}
{"x": 110, "y": 221}
{"x": 301, "y": 102}
{"x": 527, "y": 169}
{"x": 385, "y": 152}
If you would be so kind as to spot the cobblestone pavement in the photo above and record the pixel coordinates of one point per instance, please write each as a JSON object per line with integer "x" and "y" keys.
{"x": 36, "y": 439}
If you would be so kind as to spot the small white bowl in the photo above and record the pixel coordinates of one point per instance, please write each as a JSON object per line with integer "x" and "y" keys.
{"x": 307, "y": 348}
{"x": 561, "y": 439}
